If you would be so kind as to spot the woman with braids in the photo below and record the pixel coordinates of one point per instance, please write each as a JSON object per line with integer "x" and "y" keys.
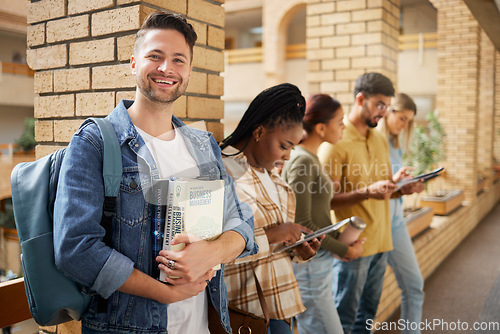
{"x": 314, "y": 191}
{"x": 399, "y": 120}
{"x": 269, "y": 129}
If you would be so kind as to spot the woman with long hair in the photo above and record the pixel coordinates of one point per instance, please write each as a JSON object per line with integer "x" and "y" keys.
{"x": 398, "y": 122}
{"x": 323, "y": 122}
{"x": 269, "y": 129}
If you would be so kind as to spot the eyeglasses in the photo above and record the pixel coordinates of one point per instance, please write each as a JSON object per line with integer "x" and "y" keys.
{"x": 381, "y": 106}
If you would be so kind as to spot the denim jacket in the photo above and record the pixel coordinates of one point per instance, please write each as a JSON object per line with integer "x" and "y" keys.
{"x": 78, "y": 236}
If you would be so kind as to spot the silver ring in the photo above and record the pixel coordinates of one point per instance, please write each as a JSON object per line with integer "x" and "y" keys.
{"x": 171, "y": 264}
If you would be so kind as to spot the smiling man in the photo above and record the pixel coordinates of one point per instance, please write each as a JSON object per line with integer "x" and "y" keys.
{"x": 154, "y": 144}
{"x": 360, "y": 168}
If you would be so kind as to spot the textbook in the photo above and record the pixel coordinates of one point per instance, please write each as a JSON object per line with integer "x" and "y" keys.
{"x": 424, "y": 177}
{"x": 158, "y": 198}
{"x": 193, "y": 207}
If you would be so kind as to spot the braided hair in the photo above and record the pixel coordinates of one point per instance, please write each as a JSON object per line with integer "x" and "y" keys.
{"x": 277, "y": 105}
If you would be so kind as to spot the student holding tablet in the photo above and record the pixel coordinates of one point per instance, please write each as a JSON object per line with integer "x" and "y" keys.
{"x": 314, "y": 191}
{"x": 402, "y": 259}
{"x": 265, "y": 136}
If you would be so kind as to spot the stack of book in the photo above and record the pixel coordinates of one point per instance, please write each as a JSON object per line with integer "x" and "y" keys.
{"x": 185, "y": 206}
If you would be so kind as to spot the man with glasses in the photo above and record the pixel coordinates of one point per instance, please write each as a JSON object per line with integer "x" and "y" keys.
{"x": 360, "y": 168}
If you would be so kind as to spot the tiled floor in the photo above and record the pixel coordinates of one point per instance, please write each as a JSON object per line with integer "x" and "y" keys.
{"x": 464, "y": 290}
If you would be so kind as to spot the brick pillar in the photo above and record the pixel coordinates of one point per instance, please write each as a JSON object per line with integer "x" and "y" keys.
{"x": 496, "y": 137}
{"x": 276, "y": 16}
{"x": 457, "y": 98}
{"x": 348, "y": 38}
{"x": 81, "y": 52}
{"x": 486, "y": 108}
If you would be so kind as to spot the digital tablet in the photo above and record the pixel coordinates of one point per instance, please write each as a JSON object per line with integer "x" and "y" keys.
{"x": 424, "y": 177}
{"x": 310, "y": 236}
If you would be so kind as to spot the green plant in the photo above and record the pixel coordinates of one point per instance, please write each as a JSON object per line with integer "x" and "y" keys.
{"x": 27, "y": 140}
{"x": 426, "y": 146}
{"x": 7, "y": 220}
{"x": 7, "y": 216}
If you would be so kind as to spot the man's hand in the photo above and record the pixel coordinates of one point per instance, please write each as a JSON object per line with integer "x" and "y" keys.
{"x": 355, "y": 249}
{"x": 143, "y": 285}
{"x": 191, "y": 263}
{"x": 200, "y": 256}
{"x": 287, "y": 233}
{"x": 381, "y": 189}
{"x": 411, "y": 188}
{"x": 402, "y": 174}
{"x": 187, "y": 290}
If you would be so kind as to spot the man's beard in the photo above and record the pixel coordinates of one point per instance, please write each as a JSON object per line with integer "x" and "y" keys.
{"x": 162, "y": 97}
{"x": 368, "y": 120}
{"x": 370, "y": 123}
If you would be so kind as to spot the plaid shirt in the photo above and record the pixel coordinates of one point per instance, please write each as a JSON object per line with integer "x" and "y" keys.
{"x": 274, "y": 271}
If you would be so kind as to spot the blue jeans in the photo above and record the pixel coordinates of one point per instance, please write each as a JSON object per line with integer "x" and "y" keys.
{"x": 405, "y": 266}
{"x": 357, "y": 286}
{"x": 279, "y": 327}
{"x": 315, "y": 283}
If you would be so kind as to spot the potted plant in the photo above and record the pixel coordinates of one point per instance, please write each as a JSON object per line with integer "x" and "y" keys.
{"x": 496, "y": 170}
{"x": 418, "y": 219}
{"x": 26, "y": 143}
{"x": 426, "y": 151}
{"x": 8, "y": 226}
{"x": 481, "y": 183}
{"x": 425, "y": 154}
{"x": 7, "y": 221}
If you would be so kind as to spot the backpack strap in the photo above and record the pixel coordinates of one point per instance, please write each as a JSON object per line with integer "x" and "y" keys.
{"x": 112, "y": 174}
{"x": 112, "y": 161}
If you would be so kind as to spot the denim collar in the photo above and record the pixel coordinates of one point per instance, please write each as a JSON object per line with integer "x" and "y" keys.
{"x": 125, "y": 129}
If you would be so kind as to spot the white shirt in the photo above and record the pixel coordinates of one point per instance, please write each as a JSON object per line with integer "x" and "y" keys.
{"x": 172, "y": 158}
{"x": 270, "y": 186}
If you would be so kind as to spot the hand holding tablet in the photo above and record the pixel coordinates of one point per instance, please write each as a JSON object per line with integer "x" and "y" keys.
{"x": 315, "y": 234}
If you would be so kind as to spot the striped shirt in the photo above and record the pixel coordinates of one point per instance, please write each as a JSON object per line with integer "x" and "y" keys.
{"x": 274, "y": 271}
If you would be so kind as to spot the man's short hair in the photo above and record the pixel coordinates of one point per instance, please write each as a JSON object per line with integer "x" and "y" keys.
{"x": 165, "y": 20}
{"x": 372, "y": 84}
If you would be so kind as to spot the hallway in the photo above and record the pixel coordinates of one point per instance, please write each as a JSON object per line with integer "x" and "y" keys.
{"x": 465, "y": 288}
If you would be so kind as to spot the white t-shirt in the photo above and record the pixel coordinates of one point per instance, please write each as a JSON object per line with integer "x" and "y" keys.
{"x": 172, "y": 158}
{"x": 270, "y": 186}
